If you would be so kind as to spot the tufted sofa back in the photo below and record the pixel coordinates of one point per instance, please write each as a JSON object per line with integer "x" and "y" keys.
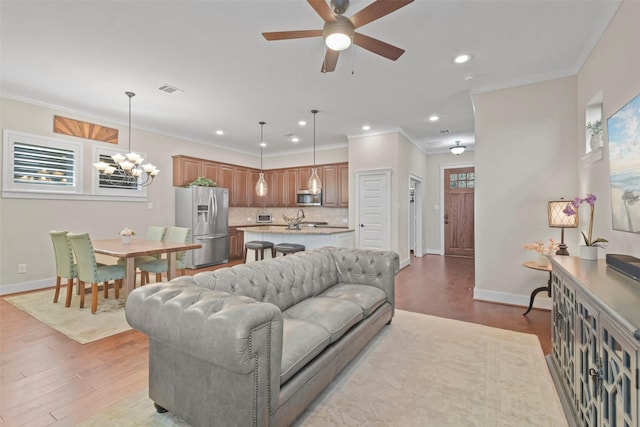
{"x": 283, "y": 281}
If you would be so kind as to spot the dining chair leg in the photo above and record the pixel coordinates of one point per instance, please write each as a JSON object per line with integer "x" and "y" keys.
{"x": 105, "y": 287}
{"x": 94, "y": 298}
{"x": 81, "y": 286}
{"x": 158, "y": 277}
{"x": 55, "y": 296}
{"x": 146, "y": 276}
{"x": 67, "y": 302}
{"x": 116, "y": 285}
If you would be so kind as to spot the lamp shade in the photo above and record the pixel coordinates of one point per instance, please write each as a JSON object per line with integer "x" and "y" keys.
{"x": 557, "y": 218}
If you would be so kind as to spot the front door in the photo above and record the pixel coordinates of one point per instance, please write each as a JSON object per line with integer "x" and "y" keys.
{"x": 459, "y": 185}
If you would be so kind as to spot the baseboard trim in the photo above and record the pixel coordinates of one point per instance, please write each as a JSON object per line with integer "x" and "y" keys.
{"x": 15, "y": 288}
{"x": 433, "y": 252}
{"x": 541, "y": 301}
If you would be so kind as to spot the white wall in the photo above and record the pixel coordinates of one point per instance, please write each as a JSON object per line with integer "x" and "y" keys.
{"x": 612, "y": 69}
{"x": 25, "y": 223}
{"x": 304, "y": 157}
{"x": 433, "y": 196}
{"x": 525, "y": 155}
{"x": 388, "y": 151}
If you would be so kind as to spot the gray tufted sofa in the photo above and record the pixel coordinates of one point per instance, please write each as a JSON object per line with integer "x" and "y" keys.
{"x": 254, "y": 344}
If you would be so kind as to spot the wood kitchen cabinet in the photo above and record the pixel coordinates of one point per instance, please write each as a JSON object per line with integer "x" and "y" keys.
{"x": 283, "y": 184}
{"x": 343, "y": 185}
{"x": 292, "y": 184}
{"x": 335, "y": 185}
{"x": 210, "y": 170}
{"x": 240, "y": 194}
{"x": 236, "y": 243}
{"x": 185, "y": 170}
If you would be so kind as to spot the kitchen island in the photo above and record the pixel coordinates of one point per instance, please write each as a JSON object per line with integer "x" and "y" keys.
{"x": 310, "y": 237}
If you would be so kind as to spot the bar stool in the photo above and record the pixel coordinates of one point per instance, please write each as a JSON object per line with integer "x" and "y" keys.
{"x": 288, "y": 248}
{"x": 258, "y": 245}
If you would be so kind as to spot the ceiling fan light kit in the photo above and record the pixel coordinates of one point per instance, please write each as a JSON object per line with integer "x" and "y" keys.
{"x": 339, "y": 31}
{"x": 338, "y": 34}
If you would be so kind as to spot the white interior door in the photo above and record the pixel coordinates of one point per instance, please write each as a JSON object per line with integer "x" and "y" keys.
{"x": 373, "y": 210}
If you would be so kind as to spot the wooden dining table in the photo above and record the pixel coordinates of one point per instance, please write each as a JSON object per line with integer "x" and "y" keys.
{"x": 139, "y": 247}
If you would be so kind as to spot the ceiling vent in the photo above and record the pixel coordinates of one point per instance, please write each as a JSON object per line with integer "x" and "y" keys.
{"x": 445, "y": 131}
{"x": 169, "y": 89}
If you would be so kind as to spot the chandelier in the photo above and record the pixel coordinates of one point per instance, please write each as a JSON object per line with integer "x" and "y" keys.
{"x": 127, "y": 170}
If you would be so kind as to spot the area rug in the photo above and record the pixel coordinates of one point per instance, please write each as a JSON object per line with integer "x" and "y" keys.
{"x": 419, "y": 371}
{"x": 76, "y": 323}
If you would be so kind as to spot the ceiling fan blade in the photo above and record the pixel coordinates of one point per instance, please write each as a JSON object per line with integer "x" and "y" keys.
{"x": 330, "y": 61}
{"x": 323, "y": 9}
{"x": 377, "y": 46}
{"x": 377, "y": 10}
{"x": 298, "y": 34}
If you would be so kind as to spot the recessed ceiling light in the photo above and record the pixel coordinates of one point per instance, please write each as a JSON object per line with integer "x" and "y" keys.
{"x": 219, "y": 132}
{"x": 263, "y": 144}
{"x": 302, "y": 123}
{"x": 295, "y": 139}
{"x": 462, "y": 58}
{"x": 366, "y": 127}
{"x": 434, "y": 118}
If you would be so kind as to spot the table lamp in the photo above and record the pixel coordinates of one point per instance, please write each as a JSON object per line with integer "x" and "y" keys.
{"x": 558, "y": 219}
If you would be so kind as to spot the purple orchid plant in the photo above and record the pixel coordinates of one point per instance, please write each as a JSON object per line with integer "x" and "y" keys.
{"x": 572, "y": 209}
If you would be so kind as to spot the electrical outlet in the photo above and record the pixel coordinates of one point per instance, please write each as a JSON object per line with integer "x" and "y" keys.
{"x": 150, "y": 205}
{"x": 22, "y": 268}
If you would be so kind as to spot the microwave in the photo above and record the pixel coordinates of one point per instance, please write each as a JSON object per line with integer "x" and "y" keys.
{"x": 306, "y": 198}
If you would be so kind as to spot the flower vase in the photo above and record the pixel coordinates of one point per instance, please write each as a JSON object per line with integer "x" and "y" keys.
{"x": 542, "y": 261}
{"x": 126, "y": 239}
{"x": 595, "y": 142}
{"x": 589, "y": 253}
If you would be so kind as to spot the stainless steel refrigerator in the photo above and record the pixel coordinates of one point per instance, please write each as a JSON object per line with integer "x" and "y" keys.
{"x": 206, "y": 211}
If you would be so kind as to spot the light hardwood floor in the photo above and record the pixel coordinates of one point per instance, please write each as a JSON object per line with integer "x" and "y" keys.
{"x": 48, "y": 379}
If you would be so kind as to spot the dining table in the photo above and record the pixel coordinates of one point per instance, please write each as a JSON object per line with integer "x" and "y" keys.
{"x": 140, "y": 247}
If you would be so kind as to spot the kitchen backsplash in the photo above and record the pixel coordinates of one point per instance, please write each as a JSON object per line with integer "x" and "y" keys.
{"x": 247, "y": 216}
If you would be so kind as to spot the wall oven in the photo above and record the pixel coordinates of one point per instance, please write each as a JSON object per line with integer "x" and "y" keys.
{"x": 306, "y": 198}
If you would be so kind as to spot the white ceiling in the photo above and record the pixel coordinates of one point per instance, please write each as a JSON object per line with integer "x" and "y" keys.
{"x": 81, "y": 56}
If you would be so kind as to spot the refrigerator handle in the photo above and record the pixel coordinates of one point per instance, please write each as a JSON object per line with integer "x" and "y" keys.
{"x": 214, "y": 206}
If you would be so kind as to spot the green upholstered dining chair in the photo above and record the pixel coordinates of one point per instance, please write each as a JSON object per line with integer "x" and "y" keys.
{"x": 65, "y": 265}
{"x": 90, "y": 272}
{"x": 159, "y": 266}
{"x": 153, "y": 233}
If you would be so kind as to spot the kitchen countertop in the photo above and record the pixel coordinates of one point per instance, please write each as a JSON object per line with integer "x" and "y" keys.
{"x": 282, "y": 229}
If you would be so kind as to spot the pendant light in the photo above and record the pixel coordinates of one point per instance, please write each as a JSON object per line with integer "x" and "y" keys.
{"x": 261, "y": 185}
{"x": 128, "y": 169}
{"x": 314, "y": 185}
{"x": 457, "y": 149}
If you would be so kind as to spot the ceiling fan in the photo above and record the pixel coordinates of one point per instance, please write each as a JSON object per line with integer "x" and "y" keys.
{"x": 339, "y": 31}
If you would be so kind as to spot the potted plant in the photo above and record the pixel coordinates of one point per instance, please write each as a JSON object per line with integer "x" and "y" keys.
{"x": 595, "y": 130}
{"x": 202, "y": 182}
{"x": 590, "y": 249}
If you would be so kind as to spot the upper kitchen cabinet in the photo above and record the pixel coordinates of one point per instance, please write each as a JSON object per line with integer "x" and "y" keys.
{"x": 292, "y": 184}
{"x": 210, "y": 170}
{"x": 240, "y": 193}
{"x": 303, "y": 177}
{"x": 186, "y": 170}
{"x": 335, "y": 185}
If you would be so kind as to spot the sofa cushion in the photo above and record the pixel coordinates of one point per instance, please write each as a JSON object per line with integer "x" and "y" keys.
{"x": 301, "y": 342}
{"x": 367, "y": 297}
{"x": 335, "y": 315}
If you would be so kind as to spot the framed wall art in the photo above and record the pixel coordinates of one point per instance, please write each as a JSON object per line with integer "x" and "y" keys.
{"x": 623, "y": 129}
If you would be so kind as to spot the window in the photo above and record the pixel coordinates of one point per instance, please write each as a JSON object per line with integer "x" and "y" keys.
{"x": 37, "y": 164}
{"x": 115, "y": 185}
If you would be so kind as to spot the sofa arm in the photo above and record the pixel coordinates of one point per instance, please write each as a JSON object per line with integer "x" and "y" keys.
{"x": 368, "y": 267}
{"x": 227, "y": 330}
